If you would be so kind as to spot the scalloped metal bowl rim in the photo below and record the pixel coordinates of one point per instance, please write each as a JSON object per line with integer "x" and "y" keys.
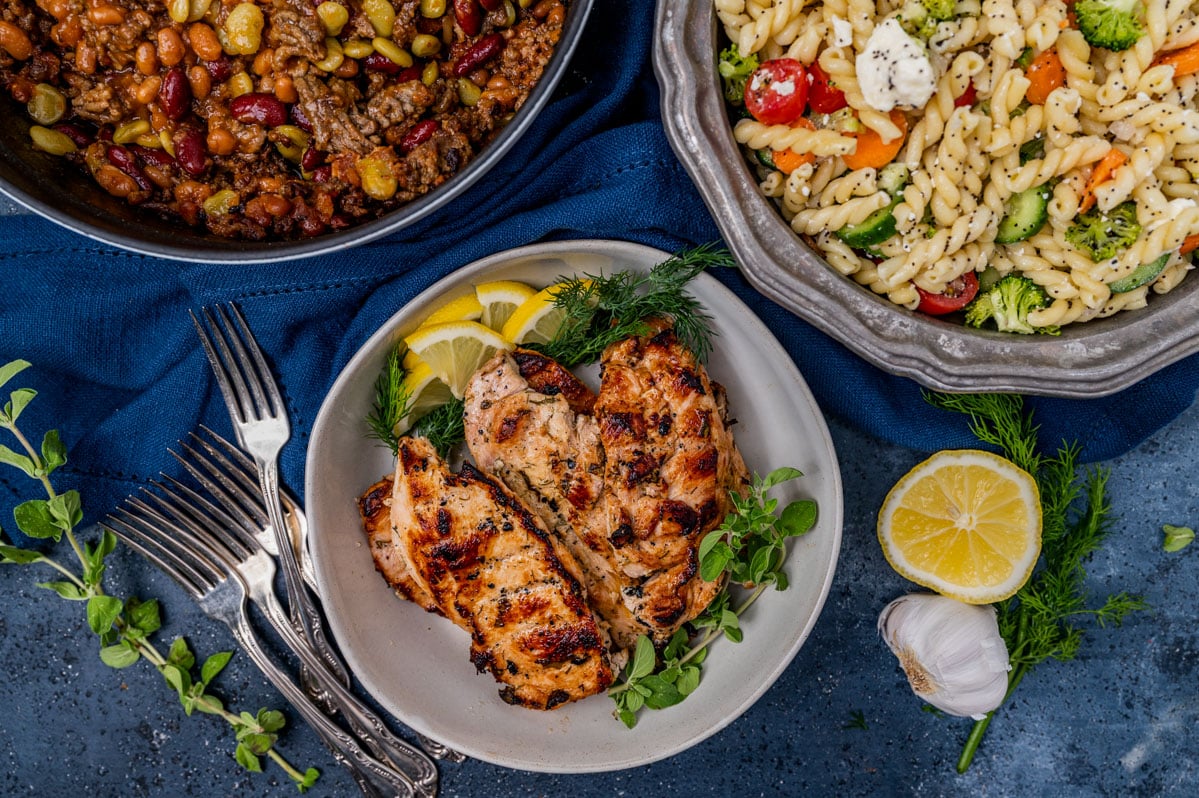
{"x": 154, "y": 238}
{"x": 1088, "y": 360}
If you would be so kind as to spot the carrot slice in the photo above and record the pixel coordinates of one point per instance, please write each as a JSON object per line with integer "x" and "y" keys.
{"x": 1044, "y": 74}
{"x": 787, "y": 161}
{"x": 872, "y": 151}
{"x": 1189, "y": 245}
{"x": 1185, "y": 61}
{"x": 1102, "y": 173}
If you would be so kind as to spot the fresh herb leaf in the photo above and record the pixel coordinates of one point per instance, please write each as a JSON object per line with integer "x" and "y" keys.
{"x": 1177, "y": 538}
{"x": 123, "y": 627}
{"x": 443, "y": 427}
{"x": 857, "y": 720}
{"x": 1040, "y": 621}
{"x": 601, "y": 310}
{"x": 748, "y": 548}
{"x": 392, "y": 401}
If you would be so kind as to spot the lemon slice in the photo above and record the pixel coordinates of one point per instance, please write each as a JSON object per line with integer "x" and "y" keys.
{"x": 537, "y": 319}
{"x": 454, "y": 350}
{"x": 425, "y": 392}
{"x": 965, "y": 523}
{"x": 464, "y": 308}
{"x": 499, "y": 299}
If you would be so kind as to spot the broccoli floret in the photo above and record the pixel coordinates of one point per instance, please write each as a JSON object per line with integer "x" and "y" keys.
{"x": 1111, "y": 24}
{"x": 921, "y": 17}
{"x": 1008, "y": 304}
{"x": 1102, "y": 235}
{"x": 736, "y": 71}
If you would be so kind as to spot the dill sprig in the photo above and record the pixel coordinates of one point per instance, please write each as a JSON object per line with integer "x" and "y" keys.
{"x": 442, "y": 426}
{"x": 601, "y": 310}
{"x": 392, "y": 400}
{"x": 1040, "y": 621}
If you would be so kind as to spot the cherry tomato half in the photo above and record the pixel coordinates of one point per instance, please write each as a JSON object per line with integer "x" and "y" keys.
{"x": 823, "y": 97}
{"x": 777, "y": 92}
{"x": 956, "y": 296}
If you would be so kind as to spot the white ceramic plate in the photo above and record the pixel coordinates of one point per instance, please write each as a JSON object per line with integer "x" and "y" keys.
{"x": 415, "y": 664}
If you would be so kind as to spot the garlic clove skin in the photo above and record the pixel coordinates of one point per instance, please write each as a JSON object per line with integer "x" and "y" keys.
{"x": 952, "y": 652}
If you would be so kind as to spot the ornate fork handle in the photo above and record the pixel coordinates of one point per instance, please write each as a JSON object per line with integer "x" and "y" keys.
{"x": 346, "y": 749}
{"x": 365, "y": 723}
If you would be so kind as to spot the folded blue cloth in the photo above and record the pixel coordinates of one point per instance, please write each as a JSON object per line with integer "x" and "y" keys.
{"x": 120, "y": 373}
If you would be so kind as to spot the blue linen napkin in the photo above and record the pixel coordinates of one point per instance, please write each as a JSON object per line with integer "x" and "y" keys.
{"x": 120, "y": 373}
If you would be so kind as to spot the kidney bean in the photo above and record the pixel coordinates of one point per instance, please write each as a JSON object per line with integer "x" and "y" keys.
{"x": 419, "y": 133}
{"x": 152, "y": 156}
{"x": 377, "y": 62}
{"x": 340, "y": 221}
{"x": 479, "y": 53}
{"x": 75, "y": 133}
{"x": 190, "y": 151}
{"x": 469, "y": 16}
{"x": 175, "y": 95}
{"x": 258, "y": 108}
{"x": 300, "y": 119}
{"x": 311, "y": 159}
{"x": 491, "y": 5}
{"x": 221, "y": 68}
{"x": 123, "y": 159}
{"x": 322, "y": 174}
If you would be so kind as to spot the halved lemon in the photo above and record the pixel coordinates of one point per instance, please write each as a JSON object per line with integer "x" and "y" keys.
{"x": 455, "y": 350}
{"x": 425, "y": 392}
{"x": 965, "y": 523}
{"x": 464, "y": 308}
{"x": 499, "y": 299}
{"x": 537, "y": 319}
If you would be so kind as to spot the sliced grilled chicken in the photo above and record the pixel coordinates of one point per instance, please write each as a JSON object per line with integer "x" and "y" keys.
{"x": 527, "y": 422}
{"x": 490, "y": 565}
{"x": 670, "y": 464}
{"x": 374, "y": 507}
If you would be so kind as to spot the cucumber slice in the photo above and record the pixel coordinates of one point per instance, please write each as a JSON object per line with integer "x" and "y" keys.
{"x": 1145, "y": 273}
{"x": 1026, "y": 214}
{"x": 874, "y": 229}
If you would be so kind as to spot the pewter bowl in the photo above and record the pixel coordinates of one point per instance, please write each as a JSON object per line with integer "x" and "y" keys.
{"x": 1093, "y": 359}
{"x": 60, "y": 192}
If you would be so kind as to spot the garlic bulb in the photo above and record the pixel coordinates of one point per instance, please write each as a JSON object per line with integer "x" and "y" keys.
{"x": 951, "y": 652}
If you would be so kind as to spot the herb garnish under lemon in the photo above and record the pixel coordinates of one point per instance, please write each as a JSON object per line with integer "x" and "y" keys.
{"x": 1039, "y": 621}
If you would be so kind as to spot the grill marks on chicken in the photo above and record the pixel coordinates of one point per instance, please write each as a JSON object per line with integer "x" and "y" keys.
{"x": 374, "y": 507}
{"x": 671, "y": 462}
{"x": 630, "y": 480}
{"x": 528, "y": 422}
{"x": 489, "y": 564}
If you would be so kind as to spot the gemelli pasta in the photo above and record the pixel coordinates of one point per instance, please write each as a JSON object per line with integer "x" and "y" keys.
{"x": 941, "y": 148}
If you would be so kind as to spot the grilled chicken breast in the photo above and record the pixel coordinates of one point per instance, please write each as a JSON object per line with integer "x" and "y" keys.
{"x": 528, "y": 422}
{"x": 374, "y": 507}
{"x": 490, "y": 565}
{"x": 630, "y": 480}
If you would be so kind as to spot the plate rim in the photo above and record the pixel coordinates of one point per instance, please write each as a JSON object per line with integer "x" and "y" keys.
{"x": 834, "y": 516}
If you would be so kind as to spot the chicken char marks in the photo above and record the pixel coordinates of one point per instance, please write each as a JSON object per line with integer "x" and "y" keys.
{"x": 488, "y": 564}
{"x": 630, "y": 480}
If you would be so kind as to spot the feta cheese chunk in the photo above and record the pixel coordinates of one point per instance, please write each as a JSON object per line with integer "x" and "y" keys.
{"x": 895, "y": 69}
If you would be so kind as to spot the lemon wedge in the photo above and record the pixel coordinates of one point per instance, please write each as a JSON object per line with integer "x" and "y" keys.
{"x": 425, "y": 392}
{"x": 455, "y": 350}
{"x": 537, "y": 319}
{"x": 464, "y": 308}
{"x": 965, "y": 523}
{"x": 499, "y": 299}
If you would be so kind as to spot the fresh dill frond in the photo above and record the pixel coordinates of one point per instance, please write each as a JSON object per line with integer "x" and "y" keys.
{"x": 601, "y": 310}
{"x": 443, "y": 427}
{"x": 392, "y": 401}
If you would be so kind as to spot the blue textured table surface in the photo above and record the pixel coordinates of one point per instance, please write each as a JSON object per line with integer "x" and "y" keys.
{"x": 1123, "y": 719}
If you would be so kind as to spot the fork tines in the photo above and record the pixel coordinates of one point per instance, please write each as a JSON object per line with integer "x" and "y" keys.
{"x": 239, "y": 365}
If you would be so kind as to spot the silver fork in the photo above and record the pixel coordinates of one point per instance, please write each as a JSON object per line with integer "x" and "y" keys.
{"x": 226, "y": 474}
{"x": 260, "y": 424}
{"x": 221, "y": 593}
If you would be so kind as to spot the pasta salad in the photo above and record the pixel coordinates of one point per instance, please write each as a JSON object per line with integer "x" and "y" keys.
{"x": 1028, "y": 163}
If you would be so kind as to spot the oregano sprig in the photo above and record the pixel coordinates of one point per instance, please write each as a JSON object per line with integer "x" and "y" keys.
{"x": 123, "y": 626}
{"x": 748, "y": 548}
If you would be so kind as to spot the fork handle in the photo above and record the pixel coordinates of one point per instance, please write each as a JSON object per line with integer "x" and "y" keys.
{"x": 345, "y": 748}
{"x": 304, "y": 615}
{"x": 368, "y": 726}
